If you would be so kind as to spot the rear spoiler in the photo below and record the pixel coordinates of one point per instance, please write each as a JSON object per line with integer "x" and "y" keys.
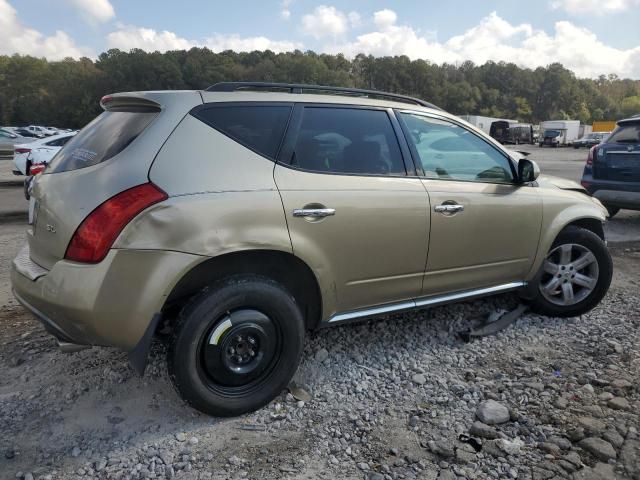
{"x": 128, "y": 103}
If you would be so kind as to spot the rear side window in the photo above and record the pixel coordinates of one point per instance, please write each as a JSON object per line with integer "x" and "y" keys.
{"x": 258, "y": 127}
{"x": 626, "y": 134}
{"x": 59, "y": 142}
{"x": 347, "y": 140}
{"x": 106, "y": 136}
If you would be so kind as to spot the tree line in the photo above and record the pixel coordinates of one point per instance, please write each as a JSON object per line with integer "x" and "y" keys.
{"x": 66, "y": 93}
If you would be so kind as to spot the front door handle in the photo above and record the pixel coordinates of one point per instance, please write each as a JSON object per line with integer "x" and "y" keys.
{"x": 314, "y": 212}
{"x": 449, "y": 208}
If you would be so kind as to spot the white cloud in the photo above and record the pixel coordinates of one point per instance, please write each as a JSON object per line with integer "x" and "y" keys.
{"x": 384, "y": 18}
{"x": 285, "y": 12}
{"x": 218, "y": 43}
{"x": 325, "y": 21}
{"x": 17, "y": 38}
{"x": 591, "y": 7}
{"x": 129, "y": 36}
{"x": 496, "y": 39}
{"x": 95, "y": 11}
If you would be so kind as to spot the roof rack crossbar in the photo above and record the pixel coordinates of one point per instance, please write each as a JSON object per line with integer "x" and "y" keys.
{"x": 301, "y": 88}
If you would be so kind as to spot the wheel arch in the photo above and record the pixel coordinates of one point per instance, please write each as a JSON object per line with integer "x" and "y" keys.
{"x": 283, "y": 267}
{"x": 592, "y": 224}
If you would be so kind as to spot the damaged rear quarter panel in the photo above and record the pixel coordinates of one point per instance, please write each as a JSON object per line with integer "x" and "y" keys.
{"x": 222, "y": 198}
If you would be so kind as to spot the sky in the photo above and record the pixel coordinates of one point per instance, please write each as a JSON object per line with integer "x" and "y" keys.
{"x": 590, "y": 37}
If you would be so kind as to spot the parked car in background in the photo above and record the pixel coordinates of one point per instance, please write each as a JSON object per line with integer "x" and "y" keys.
{"x": 350, "y": 206}
{"x": 8, "y": 140}
{"x": 590, "y": 139}
{"x": 612, "y": 171}
{"x": 47, "y": 147}
{"x": 47, "y": 132}
{"x": 22, "y": 131}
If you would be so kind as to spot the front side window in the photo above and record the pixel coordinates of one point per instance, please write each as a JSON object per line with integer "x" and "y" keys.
{"x": 347, "y": 140}
{"x": 259, "y": 127}
{"x": 450, "y": 152}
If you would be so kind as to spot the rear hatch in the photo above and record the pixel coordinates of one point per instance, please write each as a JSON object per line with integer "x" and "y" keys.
{"x": 619, "y": 158}
{"x": 111, "y": 154}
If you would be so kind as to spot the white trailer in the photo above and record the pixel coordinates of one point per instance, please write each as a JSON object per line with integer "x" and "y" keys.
{"x": 483, "y": 123}
{"x": 569, "y": 130}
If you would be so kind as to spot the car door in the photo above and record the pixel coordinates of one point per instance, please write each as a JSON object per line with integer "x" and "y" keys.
{"x": 354, "y": 213}
{"x": 485, "y": 227}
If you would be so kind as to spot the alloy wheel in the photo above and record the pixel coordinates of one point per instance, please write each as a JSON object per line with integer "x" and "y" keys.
{"x": 570, "y": 273}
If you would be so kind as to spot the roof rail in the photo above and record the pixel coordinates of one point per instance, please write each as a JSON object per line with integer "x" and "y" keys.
{"x": 304, "y": 88}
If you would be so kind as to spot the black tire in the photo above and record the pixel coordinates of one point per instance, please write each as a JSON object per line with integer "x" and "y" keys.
{"x": 612, "y": 210}
{"x": 201, "y": 366}
{"x": 592, "y": 242}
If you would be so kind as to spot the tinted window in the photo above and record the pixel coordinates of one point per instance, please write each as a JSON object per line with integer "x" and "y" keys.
{"x": 347, "y": 140}
{"x": 106, "y": 136}
{"x": 59, "y": 142}
{"x": 448, "y": 151}
{"x": 259, "y": 127}
{"x": 626, "y": 134}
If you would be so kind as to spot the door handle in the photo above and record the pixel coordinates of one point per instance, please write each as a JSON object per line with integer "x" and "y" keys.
{"x": 314, "y": 212}
{"x": 448, "y": 208}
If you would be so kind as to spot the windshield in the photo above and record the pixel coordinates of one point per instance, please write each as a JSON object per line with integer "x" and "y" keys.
{"x": 551, "y": 133}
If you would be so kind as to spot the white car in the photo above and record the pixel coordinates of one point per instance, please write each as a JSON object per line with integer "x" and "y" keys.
{"x": 46, "y": 148}
{"x": 38, "y": 129}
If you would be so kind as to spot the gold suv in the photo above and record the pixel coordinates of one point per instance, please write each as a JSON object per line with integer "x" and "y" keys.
{"x": 241, "y": 216}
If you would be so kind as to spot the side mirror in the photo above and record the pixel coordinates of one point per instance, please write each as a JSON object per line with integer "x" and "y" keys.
{"x": 528, "y": 170}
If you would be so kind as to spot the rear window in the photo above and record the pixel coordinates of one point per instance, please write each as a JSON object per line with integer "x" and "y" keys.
{"x": 258, "y": 127}
{"x": 106, "y": 136}
{"x": 626, "y": 134}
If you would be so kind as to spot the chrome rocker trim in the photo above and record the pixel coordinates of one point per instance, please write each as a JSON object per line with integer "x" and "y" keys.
{"x": 422, "y": 302}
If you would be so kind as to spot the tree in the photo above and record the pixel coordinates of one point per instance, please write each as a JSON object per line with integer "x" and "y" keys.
{"x": 66, "y": 93}
{"x": 630, "y": 106}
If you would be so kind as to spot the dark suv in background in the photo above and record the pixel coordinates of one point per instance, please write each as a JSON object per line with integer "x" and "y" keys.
{"x": 612, "y": 171}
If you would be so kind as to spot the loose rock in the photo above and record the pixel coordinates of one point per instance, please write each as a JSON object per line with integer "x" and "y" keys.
{"x": 599, "y": 448}
{"x": 492, "y": 413}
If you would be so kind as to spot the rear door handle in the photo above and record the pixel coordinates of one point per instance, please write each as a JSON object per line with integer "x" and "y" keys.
{"x": 314, "y": 212}
{"x": 449, "y": 208}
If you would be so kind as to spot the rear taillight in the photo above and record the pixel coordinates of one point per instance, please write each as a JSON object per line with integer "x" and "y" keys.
{"x": 36, "y": 169}
{"x": 22, "y": 150}
{"x": 592, "y": 154}
{"x": 95, "y": 235}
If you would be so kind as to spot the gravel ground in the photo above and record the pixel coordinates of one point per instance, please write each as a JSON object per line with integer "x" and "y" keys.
{"x": 389, "y": 399}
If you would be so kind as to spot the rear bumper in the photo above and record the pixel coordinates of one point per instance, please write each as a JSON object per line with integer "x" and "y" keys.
{"x": 614, "y": 193}
{"x": 111, "y": 303}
